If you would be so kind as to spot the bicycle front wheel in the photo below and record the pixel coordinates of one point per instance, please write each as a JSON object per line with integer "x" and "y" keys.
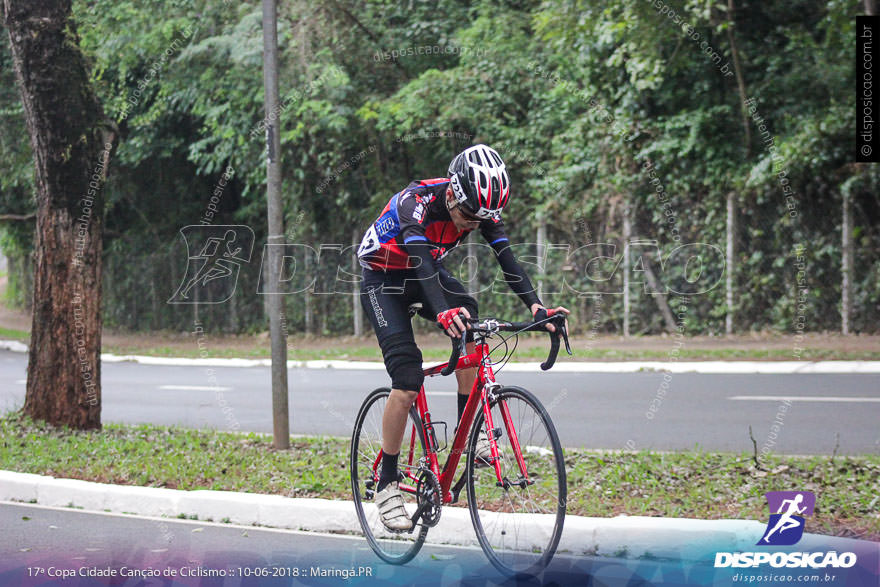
{"x": 519, "y": 520}
{"x": 366, "y": 450}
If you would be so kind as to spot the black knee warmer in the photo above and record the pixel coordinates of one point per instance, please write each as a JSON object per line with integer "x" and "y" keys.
{"x": 403, "y": 360}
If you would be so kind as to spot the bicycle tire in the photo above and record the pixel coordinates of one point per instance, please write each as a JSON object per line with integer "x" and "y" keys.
{"x": 536, "y": 531}
{"x": 393, "y": 548}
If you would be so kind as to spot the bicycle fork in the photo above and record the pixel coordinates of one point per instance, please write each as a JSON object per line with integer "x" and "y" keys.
{"x": 493, "y": 434}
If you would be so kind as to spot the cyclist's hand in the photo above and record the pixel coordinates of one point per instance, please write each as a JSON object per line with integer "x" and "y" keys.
{"x": 539, "y": 312}
{"x": 451, "y": 321}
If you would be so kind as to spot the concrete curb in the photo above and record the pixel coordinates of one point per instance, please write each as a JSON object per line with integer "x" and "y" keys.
{"x": 13, "y": 345}
{"x": 563, "y": 366}
{"x": 629, "y": 536}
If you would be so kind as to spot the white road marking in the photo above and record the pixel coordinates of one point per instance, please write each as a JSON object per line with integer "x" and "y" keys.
{"x": 563, "y": 366}
{"x": 195, "y": 387}
{"x": 803, "y": 398}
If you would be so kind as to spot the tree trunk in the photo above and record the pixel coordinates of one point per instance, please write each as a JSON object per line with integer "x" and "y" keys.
{"x": 357, "y": 309}
{"x": 473, "y": 267}
{"x": 729, "y": 282}
{"x": 659, "y": 299}
{"x": 307, "y": 301}
{"x": 740, "y": 80}
{"x": 730, "y": 254}
{"x": 541, "y": 253}
{"x": 846, "y": 265}
{"x": 71, "y": 145}
{"x": 627, "y": 235}
{"x": 871, "y": 7}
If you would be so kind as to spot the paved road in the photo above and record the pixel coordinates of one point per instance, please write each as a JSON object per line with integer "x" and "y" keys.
{"x": 594, "y": 410}
{"x": 41, "y": 538}
{"x": 40, "y": 541}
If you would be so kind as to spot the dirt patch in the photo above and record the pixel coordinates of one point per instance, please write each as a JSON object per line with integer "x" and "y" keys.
{"x": 774, "y": 345}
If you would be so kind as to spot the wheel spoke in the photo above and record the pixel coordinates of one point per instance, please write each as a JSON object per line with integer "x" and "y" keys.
{"x": 519, "y": 527}
{"x": 365, "y": 448}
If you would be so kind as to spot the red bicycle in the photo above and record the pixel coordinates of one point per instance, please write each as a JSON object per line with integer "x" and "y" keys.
{"x": 516, "y": 501}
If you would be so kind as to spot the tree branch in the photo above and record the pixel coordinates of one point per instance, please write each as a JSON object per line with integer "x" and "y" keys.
{"x": 372, "y": 36}
{"x": 740, "y": 82}
{"x": 9, "y": 217}
{"x": 755, "y": 453}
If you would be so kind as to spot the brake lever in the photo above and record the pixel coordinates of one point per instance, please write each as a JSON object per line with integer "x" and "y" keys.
{"x": 564, "y": 331}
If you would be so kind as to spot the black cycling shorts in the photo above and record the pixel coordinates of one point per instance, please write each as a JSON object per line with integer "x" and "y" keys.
{"x": 386, "y": 297}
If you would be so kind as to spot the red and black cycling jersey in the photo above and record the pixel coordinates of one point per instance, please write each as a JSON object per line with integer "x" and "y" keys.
{"x": 417, "y": 214}
{"x": 414, "y": 232}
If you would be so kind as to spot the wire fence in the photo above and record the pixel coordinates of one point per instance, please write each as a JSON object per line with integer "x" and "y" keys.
{"x": 618, "y": 277}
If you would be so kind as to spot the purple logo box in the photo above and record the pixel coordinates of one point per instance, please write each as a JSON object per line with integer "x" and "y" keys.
{"x": 775, "y": 499}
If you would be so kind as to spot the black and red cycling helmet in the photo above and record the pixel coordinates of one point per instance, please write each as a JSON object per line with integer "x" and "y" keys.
{"x": 480, "y": 182}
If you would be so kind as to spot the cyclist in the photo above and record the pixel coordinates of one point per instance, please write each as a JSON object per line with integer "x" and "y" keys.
{"x": 401, "y": 254}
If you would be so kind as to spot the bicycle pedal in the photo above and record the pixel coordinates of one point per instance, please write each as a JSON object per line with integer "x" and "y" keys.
{"x": 496, "y": 433}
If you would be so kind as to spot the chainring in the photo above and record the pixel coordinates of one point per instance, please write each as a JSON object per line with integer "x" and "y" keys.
{"x": 430, "y": 498}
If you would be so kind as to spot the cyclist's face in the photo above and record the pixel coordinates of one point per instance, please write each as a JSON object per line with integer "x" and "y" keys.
{"x": 461, "y": 219}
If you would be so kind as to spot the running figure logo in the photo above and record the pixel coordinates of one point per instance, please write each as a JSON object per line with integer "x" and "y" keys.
{"x": 787, "y": 511}
{"x": 212, "y": 273}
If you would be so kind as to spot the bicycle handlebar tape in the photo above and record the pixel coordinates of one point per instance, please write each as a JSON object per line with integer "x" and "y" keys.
{"x": 559, "y": 321}
{"x": 554, "y": 350}
{"x": 457, "y": 349}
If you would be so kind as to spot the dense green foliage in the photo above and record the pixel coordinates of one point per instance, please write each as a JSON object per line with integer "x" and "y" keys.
{"x": 597, "y": 107}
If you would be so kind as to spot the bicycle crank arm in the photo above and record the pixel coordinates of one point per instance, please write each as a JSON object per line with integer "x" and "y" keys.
{"x": 459, "y": 485}
{"x": 417, "y": 516}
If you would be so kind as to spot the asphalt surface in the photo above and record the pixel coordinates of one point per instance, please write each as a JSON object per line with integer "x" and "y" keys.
{"x": 60, "y": 546}
{"x": 49, "y": 546}
{"x": 592, "y": 410}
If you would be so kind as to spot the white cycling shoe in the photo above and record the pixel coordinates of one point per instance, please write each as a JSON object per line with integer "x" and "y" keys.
{"x": 483, "y": 452}
{"x": 389, "y": 501}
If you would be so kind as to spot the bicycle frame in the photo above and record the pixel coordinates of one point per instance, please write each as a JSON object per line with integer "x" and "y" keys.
{"x": 481, "y": 395}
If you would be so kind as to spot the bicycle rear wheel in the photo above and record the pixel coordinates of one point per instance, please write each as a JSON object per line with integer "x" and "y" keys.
{"x": 518, "y": 525}
{"x": 365, "y": 462}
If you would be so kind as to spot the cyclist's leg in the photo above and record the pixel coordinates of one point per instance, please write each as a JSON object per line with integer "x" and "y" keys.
{"x": 387, "y": 311}
{"x": 386, "y": 308}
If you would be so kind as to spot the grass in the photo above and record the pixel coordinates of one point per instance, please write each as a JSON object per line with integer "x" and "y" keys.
{"x": 719, "y": 485}
{"x": 372, "y": 353}
{"x": 21, "y": 335}
{"x": 531, "y": 348}
{"x": 692, "y": 484}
